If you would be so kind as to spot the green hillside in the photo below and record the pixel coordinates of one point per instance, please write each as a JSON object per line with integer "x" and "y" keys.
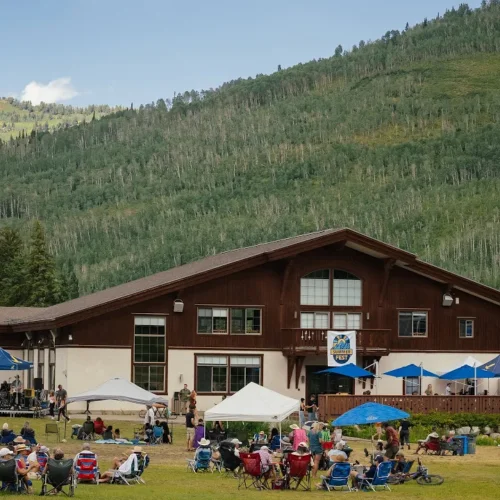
{"x": 17, "y": 117}
{"x": 398, "y": 138}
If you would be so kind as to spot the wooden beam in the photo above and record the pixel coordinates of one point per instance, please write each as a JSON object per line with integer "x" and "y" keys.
{"x": 286, "y": 275}
{"x": 299, "y": 363}
{"x": 291, "y": 364}
{"x": 388, "y": 265}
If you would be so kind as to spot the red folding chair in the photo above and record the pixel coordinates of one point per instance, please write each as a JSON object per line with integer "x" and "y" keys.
{"x": 86, "y": 468}
{"x": 252, "y": 475}
{"x": 299, "y": 472}
{"x": 42, "y": 458}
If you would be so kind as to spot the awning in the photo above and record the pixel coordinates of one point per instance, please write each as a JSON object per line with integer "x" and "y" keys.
{"x": 253, "y": 403}
{"x": 119, "y": 389}
{"x": 9, "y": 362}
{"x": 492, "y": 366}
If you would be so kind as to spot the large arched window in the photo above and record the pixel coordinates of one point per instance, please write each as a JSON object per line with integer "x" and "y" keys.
{"x": 315, "y": 288}
{"x": 346, "y": 289}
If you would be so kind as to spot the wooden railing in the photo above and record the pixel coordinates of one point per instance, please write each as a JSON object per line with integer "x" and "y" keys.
{"x": 332, "y": 405}
{"x": 314, "y": 339}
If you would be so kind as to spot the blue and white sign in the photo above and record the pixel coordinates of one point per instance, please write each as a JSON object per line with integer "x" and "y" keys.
{"x": 341, "y": 348}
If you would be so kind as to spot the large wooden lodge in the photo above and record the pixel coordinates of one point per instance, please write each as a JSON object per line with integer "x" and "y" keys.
{"x": 261, "y": 314}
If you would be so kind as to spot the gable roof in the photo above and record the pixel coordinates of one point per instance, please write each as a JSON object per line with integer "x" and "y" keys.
{"x": 222, "y": 264}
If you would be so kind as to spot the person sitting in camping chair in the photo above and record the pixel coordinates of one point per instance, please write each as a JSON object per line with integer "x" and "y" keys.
{"x": 58, "y": 473}
{"x": 122, "y": 466}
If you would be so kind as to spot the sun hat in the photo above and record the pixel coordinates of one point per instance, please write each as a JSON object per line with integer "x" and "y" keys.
{"x": 294, "y": 426}
{"x": 22, "y": 447}
{"x": 434, "y": 435}
{"x": 19, "y": 440}
{"x": 261, "y": 432}
{"x": 5, "y": 451}
{"x": 204, "y": 442}
{"x": 5, "y": 426}
{"x": 236, "y": 441}
{"x": 264, "y": 448}
{"x": 285, "y": 440}
{"x": 137, "y": 449}
{"x": 44, "y": 449}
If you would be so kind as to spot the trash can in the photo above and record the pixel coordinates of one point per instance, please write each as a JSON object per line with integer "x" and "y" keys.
{"x": 461, "y": 442}
{"x": 471, "y": 445}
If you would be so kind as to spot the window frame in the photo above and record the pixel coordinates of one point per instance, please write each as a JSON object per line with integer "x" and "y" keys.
{"x": 412, "y": 312}
{"x": 228, "y": 365}
{"x": 466, "y": 337}
{"x": 245, "y": 319}
{"x": 329, "y": 287}
{"x": 419, "y": 386}
{"x": 332, "y": 278}
{"x": 228, "y": 320}
{"x": 229, "y": 310}
{"x": 314, "y": 313}
{"x": 151, "y": 363}
{"x": 346, "y": 314}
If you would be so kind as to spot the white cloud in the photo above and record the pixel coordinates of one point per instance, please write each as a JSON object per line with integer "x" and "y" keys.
{"x": 54, "y": 91}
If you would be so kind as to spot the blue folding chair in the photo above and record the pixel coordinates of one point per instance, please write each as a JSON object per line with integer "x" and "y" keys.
{"x": 379, "y": 480}
{"x": 275, "y": 443}
{"x": 202, "y": 463}
{"x": 158, "y": 435}
{"x": 339, "y": 478}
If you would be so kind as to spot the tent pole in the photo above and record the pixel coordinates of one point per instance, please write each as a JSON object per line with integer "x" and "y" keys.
{"x": 475, "y": 380}
{"x": 421, "y": 377}
{"x": 280, "y": 435}
{"x": 204, "y": 428}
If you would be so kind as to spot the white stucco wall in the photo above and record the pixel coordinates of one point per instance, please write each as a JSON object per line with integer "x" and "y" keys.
{"x": 274, "y": 372}
{"x": 79, "y": 370}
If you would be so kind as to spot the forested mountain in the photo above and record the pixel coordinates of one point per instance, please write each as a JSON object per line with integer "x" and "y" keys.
{"x": 398, "y": 138}
{"x": 21, "y": 118}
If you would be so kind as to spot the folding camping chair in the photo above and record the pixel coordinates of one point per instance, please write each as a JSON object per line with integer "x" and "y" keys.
{"x": 135, "y": 475}
{"x": 299, "y": 472}
{"x": 87, "y": 431}
{"x": 52, "y": 429}
{"x": 202, "y": 463}
{"x": 157, "y": 435}
{"x": 11, "y": 482}
{"x": 58, "y": 474}
{"x": 379, "y": 480}
{"x": 87, "y": 468}
{"x": 230, "y": 462}
{"x": 339, "y": 477}
{"x": 252, "y": 475}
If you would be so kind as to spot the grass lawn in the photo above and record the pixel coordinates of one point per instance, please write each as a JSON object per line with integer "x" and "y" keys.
{"x": 472, "y": 477}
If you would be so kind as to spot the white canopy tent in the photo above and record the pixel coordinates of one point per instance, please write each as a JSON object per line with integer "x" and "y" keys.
{"x": 253, "y": 403}
{"x": 119, "y": 389}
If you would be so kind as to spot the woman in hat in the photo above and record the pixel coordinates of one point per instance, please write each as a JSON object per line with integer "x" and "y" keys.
{"x": 24, "y": 467}
{"x": 203, "y": 444}
{"x": 123, "y": 465}
{"x": 297, "y": 435}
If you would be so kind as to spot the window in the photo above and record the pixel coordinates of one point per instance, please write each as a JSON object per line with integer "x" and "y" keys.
{"x": 216, "y": 373}
{"x": 346, "y": 321}
{"x": 314, "y": 320}
{"x": 211, "y": 373}
{"x": 314, "y": 288}
{"x": 150, "y": 377}
{"x": 346, "y": 289}
{"x": 212, "y": 320}
{"x": 411, "y": 386}
{"x": 246, "y": 321}
{"x": 412, "y": 324}
{"x": 243, "y": 371}
{"x": 149, "y": 352}
{"x": 466, "y": 328}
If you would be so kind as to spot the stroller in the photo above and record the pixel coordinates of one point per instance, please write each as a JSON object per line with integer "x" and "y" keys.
{"x": 58, "y": 474}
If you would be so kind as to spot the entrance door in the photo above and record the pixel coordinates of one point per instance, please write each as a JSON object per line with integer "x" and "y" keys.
{"x": 326, "y": 383}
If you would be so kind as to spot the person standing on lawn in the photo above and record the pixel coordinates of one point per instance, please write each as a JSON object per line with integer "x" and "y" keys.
{"x": 404, "y": 433}
{"x": 190, "y": 429}
{"x": 184, "y": 397}
{"x": 61, "y": 397}
{"x": 392, "y": 446}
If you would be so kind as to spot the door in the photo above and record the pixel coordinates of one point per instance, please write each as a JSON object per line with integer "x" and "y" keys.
{"x": 326, "y": 383}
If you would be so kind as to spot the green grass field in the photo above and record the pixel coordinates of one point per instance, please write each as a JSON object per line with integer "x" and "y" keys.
{"x": 471, "y": 477}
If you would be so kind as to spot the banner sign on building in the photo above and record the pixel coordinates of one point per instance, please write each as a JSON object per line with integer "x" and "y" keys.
{"x": 341, "y": 348}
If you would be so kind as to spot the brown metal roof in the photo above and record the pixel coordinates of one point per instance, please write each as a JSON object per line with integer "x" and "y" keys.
{"x": 163, "y": 278}
{"x": 17, "y": 313}
{"x": 222, "y": 264}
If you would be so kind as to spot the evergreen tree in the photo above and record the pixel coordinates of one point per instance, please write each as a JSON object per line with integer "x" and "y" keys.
{"x": 41, "y": 275}
{"x": 12, "y": 270}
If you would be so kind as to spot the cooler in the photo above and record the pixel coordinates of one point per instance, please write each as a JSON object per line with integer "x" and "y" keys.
{"x": 463, "y": 444}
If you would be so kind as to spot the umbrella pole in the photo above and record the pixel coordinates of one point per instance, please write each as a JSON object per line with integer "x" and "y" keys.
{"x": 475, "y": 380}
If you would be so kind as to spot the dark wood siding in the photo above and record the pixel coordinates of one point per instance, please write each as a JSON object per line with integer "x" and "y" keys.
{"x": 262, "y": 286}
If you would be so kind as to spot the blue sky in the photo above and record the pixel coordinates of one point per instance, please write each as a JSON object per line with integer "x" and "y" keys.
{"x": 118, "y": 52}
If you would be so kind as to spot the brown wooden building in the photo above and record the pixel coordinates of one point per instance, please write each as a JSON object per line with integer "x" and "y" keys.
{"x": 261, "y": 314}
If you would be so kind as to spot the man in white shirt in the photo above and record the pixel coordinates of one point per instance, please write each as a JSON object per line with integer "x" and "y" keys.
{"x": 150, "y": 416}
{"x": 124, "y": 467}
{"x": 448, "y": 389}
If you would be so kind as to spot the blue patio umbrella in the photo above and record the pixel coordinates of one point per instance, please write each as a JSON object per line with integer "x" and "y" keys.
{"x": 492, "y": 366}
{"x": 370, "y": 413}
{"x": 349, "y": 370}
{"x": 410, "y": 370}
{"x": 467, "y": 371}
{"x": 9, "y": 362}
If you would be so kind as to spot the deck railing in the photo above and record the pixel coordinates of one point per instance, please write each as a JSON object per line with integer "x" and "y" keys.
{"x": 332, "y": 405}
{"x": 314, "y": 339}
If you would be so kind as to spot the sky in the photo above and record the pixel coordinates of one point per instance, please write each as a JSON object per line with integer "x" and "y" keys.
{"x": 116, "y": 52}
